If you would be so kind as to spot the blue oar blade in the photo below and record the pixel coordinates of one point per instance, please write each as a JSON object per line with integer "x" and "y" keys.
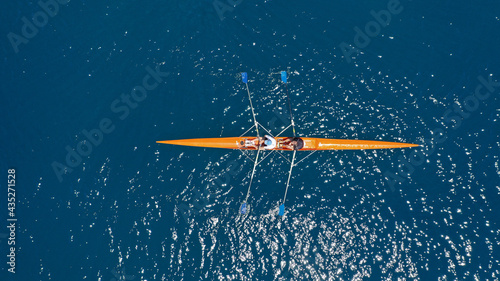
{"x": 243, "y": 208}
{"x": 282, "y": 210}
{"x": 244, "y": 77}
{"x": 283, "y": 76}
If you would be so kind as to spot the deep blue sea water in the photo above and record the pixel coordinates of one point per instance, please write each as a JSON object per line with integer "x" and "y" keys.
{"x": 136, "y": 210}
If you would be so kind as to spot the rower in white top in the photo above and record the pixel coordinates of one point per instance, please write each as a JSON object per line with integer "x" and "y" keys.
{"x": 269, "y": 143}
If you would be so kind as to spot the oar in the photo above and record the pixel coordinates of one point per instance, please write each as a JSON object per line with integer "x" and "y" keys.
{"x": 282, "y": 206}
{"x": 283, "y": 78}
{"x": 244, "y": 78}
{"x": 244, "y": 208}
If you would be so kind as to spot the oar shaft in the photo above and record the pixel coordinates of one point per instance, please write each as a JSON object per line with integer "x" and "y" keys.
{"x": 290, "y": 109}
{"x": 289, "y": 175}
{"x": 253, "y": 172}
{"x": 253, "y": 112}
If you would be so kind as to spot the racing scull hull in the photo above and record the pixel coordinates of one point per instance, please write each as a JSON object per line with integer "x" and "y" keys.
{"x": 250, "y": 143}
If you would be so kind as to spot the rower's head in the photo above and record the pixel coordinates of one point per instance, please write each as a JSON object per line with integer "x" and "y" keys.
{"x": 297, "y": 143}
{"x": 268, "y": 142}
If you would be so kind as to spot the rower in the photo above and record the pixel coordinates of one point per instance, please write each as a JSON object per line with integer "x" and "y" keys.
{"x": 269, "y": 142}
{"x": 295, "y": 144}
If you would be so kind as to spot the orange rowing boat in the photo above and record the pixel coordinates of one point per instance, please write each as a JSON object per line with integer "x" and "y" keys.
{"x": 275, "y": 143}
{"x": 251, "y": 143}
